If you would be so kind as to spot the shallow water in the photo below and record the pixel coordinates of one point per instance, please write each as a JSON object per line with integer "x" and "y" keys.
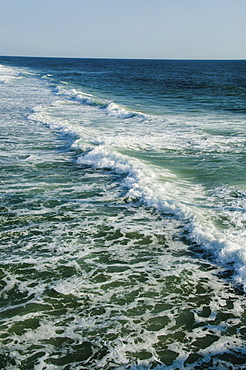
{"x": 122, "y": 215}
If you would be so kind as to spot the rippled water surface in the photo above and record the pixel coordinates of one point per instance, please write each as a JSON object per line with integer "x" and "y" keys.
{"x": 122, "y": 214}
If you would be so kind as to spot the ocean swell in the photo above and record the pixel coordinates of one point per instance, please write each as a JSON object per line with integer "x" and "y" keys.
{"x": 218, "y": 230}
{"x": 109, "y": 108}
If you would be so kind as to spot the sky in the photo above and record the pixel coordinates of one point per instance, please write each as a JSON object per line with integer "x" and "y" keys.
{"x": 153, "y": 29}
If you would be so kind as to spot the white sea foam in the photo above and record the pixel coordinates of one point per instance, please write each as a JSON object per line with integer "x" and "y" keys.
{"x": 142, "y": 183}
{"x": 203, "y": 213}
{"x": 90, "y": 268}
{"x": 228, "y": 246}
{"x": 109, "y": 108}
{"x": 8, "y": 74}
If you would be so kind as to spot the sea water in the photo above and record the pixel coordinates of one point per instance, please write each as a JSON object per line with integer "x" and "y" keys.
{"x": 123, "y": 211}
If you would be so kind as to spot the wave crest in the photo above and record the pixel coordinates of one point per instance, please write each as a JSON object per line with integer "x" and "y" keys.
{"x": 109, "y": 108}
{"x": 8, "y": 74}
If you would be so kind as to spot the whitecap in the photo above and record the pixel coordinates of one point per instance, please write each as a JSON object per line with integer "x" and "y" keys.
{"x": 8, "y": 74}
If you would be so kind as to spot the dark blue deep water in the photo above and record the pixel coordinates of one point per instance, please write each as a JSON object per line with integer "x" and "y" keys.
{"x": 123, "y": 212}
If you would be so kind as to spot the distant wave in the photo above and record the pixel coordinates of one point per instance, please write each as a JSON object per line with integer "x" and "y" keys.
{"x": 8, "y": 74}
{"x": 109, "y": 108}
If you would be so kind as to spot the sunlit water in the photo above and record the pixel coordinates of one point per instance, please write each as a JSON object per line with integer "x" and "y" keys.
{"x": 123, "y": 242}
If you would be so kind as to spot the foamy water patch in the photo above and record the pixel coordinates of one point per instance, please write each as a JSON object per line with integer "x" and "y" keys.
{"x": 164, "y": 192}
{"x": 47, "y": 115}
{"x": 8, "y": 74}
{"x": 139, "y": 180}
{"x": 159, "y": 189}
{"x": 123, "y": 302}
{"x": 109, "y": 108}
{"x": 161, "y": 135}
{"x": 94, "y": 273}
{"x": 215, "y": 225}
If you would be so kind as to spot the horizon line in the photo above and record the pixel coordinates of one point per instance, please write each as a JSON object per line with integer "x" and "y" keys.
{"x": 119, "y": 58}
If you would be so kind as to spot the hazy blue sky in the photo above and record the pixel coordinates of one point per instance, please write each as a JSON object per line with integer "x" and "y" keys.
{"x": 124, "y": 28}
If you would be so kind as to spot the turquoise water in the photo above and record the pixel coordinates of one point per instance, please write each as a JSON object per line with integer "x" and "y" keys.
{"x": 122, "y": 214}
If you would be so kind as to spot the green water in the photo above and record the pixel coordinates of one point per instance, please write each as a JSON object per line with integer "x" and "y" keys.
{"x": 93, "y": 276}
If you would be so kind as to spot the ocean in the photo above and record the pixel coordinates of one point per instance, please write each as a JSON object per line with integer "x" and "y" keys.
{"x": 123, "y": 212}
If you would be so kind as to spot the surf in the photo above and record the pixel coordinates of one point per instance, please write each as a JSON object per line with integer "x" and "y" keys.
{"x": 122, "y": 237}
